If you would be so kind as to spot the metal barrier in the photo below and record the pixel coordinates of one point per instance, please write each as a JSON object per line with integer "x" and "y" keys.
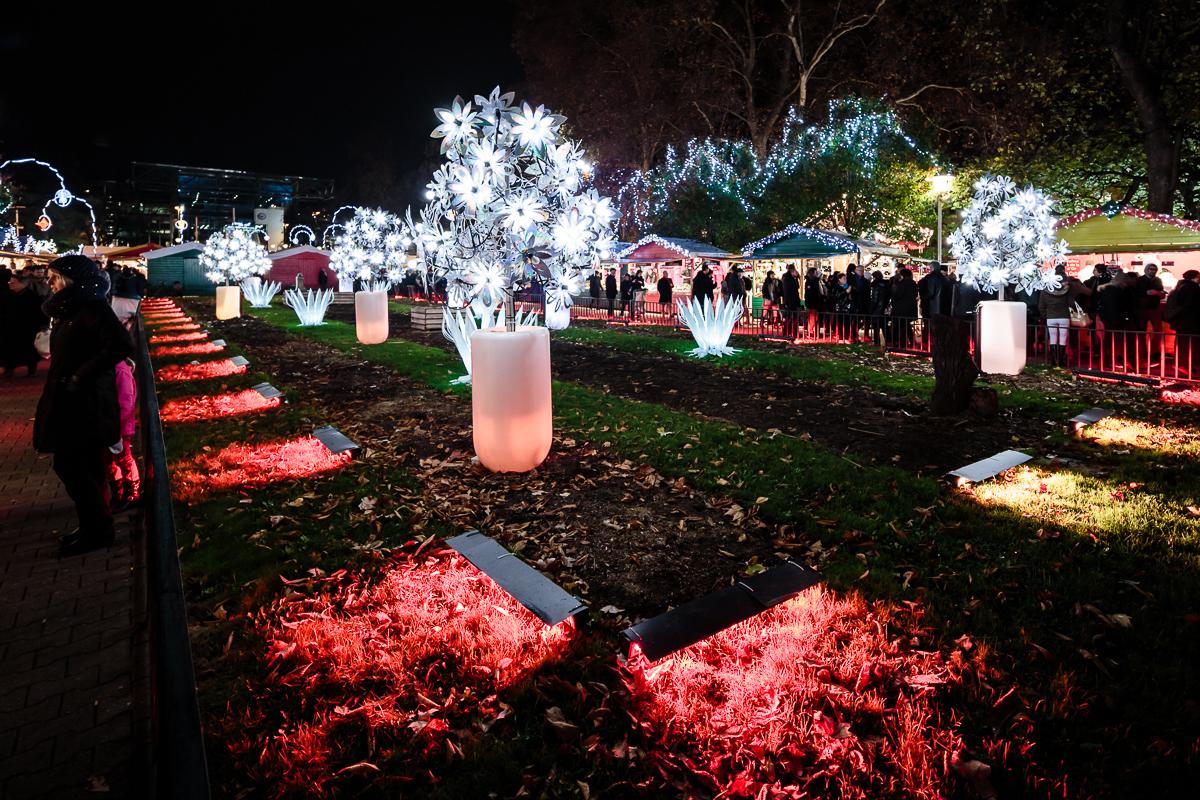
{"x": 180, "y": 770}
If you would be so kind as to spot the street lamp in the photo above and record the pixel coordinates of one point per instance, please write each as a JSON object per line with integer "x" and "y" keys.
{"x": 940, "y": 185}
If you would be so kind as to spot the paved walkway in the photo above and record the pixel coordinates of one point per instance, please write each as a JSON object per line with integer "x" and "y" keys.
{"x": 71, "y": 645}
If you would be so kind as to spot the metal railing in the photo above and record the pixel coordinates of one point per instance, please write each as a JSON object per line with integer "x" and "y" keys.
{"x": 180, "y": 769}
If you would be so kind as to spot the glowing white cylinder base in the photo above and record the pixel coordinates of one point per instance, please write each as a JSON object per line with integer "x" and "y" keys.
{"x": 512, "y": 417}
{"x": 371, "y": 317}
{"x": 557, "y": 320}
{"x": 1001, "y": 337}
{"x": 229, "y": 302}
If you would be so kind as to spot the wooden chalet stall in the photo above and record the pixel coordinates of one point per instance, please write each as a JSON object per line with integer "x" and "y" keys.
{"x": 680, "y": 259}
{"x": 1131, "y": 239}
{"x": 299, "y": 267}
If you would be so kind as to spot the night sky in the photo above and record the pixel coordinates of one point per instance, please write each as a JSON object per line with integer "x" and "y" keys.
{"x": 328, "y": 95}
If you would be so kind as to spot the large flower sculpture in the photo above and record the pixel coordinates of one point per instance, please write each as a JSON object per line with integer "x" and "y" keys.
{"x": 371, "y": 246}
{"x": 509, "y": 203}
{"x": 233, "y": 254}
{"x": 1007, "y": 237}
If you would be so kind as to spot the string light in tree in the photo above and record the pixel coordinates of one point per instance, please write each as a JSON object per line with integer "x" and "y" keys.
{"x": 1006, "y": 236}
{"x": 508, "y": 202}
{"x": 234, "y": 254}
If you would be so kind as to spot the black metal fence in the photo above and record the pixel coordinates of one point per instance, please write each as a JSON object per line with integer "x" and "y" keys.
{"x": 180, "y": 770}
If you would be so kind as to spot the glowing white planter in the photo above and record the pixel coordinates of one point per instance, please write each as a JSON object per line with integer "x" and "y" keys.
{"x": 371, "y": 317}
{"x": 229, "y": 302}
{"x": 510, "y": 397}
{"x": 1001, "y": 337}
{"x": 557, "y": 317}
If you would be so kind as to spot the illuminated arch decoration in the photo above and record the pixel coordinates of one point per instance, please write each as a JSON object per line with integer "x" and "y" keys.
{"x": 302, "y": 230}
{"x": 62, "y": 197}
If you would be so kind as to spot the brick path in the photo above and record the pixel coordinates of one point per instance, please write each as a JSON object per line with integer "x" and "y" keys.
{"x": 72, "y": 647}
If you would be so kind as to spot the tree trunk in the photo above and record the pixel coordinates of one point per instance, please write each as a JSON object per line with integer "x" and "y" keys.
{"x": 954, "y": 369}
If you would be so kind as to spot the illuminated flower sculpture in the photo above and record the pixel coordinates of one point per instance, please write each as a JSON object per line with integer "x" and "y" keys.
{"x": 1007, "y": 238}
{"x": 231, "y": 256}
{"x": 310, "y": 306}
{"x": 509, "y": 205}
{"x": 260, "y": 293}
{"x": 710, "y": 327}
{"x": 372, "y": 246}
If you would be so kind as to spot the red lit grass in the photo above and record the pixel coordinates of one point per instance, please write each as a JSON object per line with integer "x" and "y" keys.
{"x": 1181, "y": 395}
{"x": 186, "y": 349}
{"x": 242, "y": 466}
{"x": 164, "y": 338}
{"x": 173, "y": 373}
{"x": 183, "y": 326}
{"x": 206, "y": 407}
{"x": 814, "y": 698}
{"x": 399, "y": 671}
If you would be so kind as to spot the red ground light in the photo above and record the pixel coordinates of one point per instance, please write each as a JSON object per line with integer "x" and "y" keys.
{"x": 172, "y": 373}
{"x": 205, "y": 407}
{"x": 398, "y": 671}
{"x": 163, "y": 338}
{"x": 183, "y": 326}
{"x": 1181, "y": 395}
{"x": 814, "y": 698}
{"x": 186, "y": 349}
{"x": 252, "y": 466}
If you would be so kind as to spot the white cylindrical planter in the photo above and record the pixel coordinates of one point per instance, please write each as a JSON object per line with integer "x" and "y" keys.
{"x": 229, "y": 302}
{"x": 371, "y": 317}
{"x": 510, "y": 397}
{"x": 557, "y": 320}
{"x": 1001, "y": 337}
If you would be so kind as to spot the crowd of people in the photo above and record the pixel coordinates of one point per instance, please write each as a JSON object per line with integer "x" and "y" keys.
{"x": 79, "y": 315}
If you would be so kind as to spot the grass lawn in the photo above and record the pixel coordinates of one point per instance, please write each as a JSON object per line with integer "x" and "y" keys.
{"x": 1072, "y": 586}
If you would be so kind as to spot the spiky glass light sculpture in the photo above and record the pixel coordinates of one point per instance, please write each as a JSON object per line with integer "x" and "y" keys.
{"x": 509, "y": 203}
{"x": 260, "y": 293}
{"x": 233, "y": 254}
{"x": 1007, "y": 237}
{"x": 310, "y": 305}
{"x": 458, "y": 325}
{"x": 710, "y": 327}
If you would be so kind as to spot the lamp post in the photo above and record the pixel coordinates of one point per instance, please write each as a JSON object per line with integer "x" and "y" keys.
{"x": 940, "y": 185}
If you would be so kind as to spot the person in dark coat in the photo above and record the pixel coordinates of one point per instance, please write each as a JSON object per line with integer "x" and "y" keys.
{"x": 935, "y": 291}
{"x": 322, "y": 279}
{"x": 904, "y": 309}
{"x": 772, "y": 293}
{"x": 665, "y": 287}
{"x": 703, "y": 285}
{"x": 1115, "y": 304}
{"x": 814, "y": 299}
{"x": 790, "y": 300}
{"x": 595, "y": 287}
{"x": 626, "y": 292}
{"x": 1182, "y": 312}
{"x": 79, "y": 416}
{"x": 21, "y": 318}
{"x": 881, "y": 298}
{"x": 610, "y": 289}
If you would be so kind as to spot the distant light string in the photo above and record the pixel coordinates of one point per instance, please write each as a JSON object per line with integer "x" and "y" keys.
{"x": 61, "y": 198}
{"x": 828, "y": 239}
{"x": 654, "y": 238}
{"x": 334, "y": 226}
{"x": 1149, "y": 216}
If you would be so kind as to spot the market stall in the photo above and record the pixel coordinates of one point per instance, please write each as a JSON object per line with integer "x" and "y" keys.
{"x": 1130, "y": 238}
{"x": 679, "y": 259}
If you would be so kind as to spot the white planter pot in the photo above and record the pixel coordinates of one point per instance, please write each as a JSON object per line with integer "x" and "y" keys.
{"x": 512, "y": 418}
{"x": 371, "y": 317}
{"x": 557, "y": 320}
{"x": 229, "y": 302}
{"x": 1001, "y": 337}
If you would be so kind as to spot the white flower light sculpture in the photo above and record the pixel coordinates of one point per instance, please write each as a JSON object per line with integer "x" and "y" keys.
{"x": 711, "y": 328}
{"x": 509, "y": 198}
{"x": 371, "y": 246}
{"x": 260, "y": 293}
{"x": 310, "y": 305}
{"x": 233, "y": 254}
{"x": 1006, "y": 237}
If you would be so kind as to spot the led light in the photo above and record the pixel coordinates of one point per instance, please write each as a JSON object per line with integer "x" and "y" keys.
{"x": 989, "y": 467}
{"x": 1089, "y": 417}
{"x": 260, "y": 293}
{"x": 335, "y": 441}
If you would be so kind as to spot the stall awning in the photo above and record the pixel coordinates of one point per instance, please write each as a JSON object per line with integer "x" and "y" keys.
{"x": 796, "y": 241}
{"x": 669, "y": 248}
{"x": 1129, "y": 230}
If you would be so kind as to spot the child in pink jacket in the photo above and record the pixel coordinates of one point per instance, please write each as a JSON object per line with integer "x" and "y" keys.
{"x": 126, "y": 482}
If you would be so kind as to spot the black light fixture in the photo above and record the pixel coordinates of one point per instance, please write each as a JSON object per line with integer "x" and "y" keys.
{"x": 269, "y": 392}
{"x": 335, "y": 441}
{"x": 989, "y": 467}
{"x": 240, "y": 361}
{"x": 1089, "y": 417}
{"x": 548, "y": 601}
{"x": 698, "y": 619}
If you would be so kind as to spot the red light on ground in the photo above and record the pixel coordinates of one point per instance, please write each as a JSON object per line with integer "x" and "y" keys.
{"x": 186, "y": 349}
{"x": 812, "y": 698}
{"x": 173, "y": 373}
{"x": 184, "y": 326}
{"x": 253, "y": 466}
{"x": 1181, "y": 395}
{"x": 164, "y": 338}
{"x": 206, "y": 407}
{"x": 404, "y": 666}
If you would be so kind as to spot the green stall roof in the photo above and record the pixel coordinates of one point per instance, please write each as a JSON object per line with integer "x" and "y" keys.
{"x": 796, "y": 241}
{"x": 1129, "y": 231}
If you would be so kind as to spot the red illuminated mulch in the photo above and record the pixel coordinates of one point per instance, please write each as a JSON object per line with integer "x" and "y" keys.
{"x": 1181, "y": 395}
{"x": 183, "y": 326}
{"x": 205, "y": 407}
{"x": 186, "y": 349}
{"x": 814, "y": 698}
{"x": 400, "y": 671}
{"x": 172, "y": 373}
{"x": 252, "y": 466}
{"x": 178, "y": 337}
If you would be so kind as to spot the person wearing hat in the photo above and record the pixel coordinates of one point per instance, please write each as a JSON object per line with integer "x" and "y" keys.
{"x": 79, "y": 416}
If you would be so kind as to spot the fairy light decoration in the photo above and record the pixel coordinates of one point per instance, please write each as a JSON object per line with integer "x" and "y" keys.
{"x": 62, "y": 198}
{"x": 510, "y": 203}
{"x": 233, "y": 254}
{"x": 371, "y": 246}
